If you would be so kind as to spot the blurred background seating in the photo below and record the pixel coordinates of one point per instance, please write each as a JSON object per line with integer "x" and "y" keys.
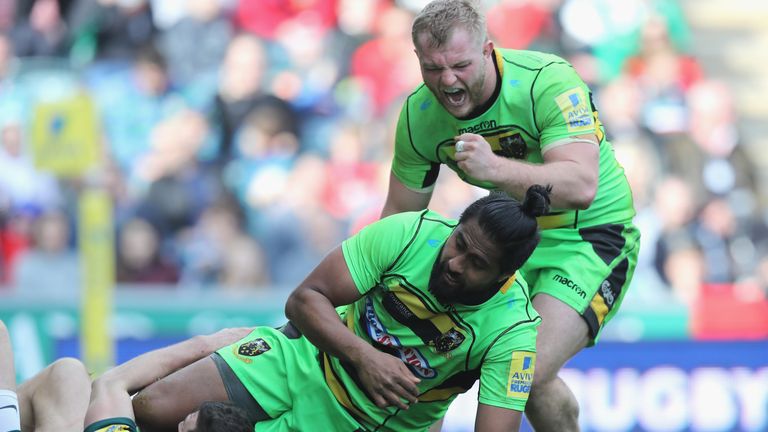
{"x": 240, "y": 140}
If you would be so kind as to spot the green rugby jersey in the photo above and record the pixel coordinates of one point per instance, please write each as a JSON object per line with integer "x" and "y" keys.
{"x": 447, "y": 347}
{"x": 542, "y": 102}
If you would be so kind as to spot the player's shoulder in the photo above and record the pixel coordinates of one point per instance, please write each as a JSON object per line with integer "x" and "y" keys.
{"x": 409, "y": 226}
{"x": 420, "y": 100}
{"x": 533, "y": 60}
{"x": 414, "y": 220}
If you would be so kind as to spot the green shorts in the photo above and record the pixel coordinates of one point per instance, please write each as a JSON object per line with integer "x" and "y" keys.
{"x": 588, "y": 269}
{"x": 117, "y": 424}
{"x": 283, "y": 375}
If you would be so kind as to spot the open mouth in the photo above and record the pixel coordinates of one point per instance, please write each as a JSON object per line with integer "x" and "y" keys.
{"x": 455, "y": 97}
{"x": 450, "y": 279}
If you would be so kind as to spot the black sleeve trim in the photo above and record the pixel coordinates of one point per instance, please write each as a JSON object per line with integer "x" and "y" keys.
{"x": 533, "y": 99}
{"x": 410, "y": 242}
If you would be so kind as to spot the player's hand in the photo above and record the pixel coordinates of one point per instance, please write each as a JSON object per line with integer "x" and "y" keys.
{"x": 387, "y": 380}
{"x": 475, "y": 157}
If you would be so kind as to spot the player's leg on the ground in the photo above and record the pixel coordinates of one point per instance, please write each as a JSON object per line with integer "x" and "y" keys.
{"x": 163, "y": 404}
{"x": 562, "y": 333}
{"x": 9, "y": 405}
{"x": 56, "y": 399}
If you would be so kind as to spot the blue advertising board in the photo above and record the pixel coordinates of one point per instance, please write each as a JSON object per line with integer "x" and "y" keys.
{"x": 660, "y": 386}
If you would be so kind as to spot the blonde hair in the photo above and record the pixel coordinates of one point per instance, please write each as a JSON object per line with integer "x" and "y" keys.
{"x": 440, "y": 17}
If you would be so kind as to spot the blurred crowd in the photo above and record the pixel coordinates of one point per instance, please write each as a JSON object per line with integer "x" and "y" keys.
{"x": 240, "y": 140}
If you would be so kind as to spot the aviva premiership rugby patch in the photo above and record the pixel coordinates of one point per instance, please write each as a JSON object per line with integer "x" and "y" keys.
{"x": 576, "y": 110}
{"x": 521, "y": 374}
{"x": 253, "y": 348}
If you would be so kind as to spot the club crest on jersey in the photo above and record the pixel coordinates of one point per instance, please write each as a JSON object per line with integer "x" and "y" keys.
{"x": 115, "y": 428}
{"x": 254, "y": 348}
{"x": 448, "y": 341}
{"x": 512, "y": 146}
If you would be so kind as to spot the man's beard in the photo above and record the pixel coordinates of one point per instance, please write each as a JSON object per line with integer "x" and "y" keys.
{"x": 448, "y": 294}
{"x": 443, "y": 291}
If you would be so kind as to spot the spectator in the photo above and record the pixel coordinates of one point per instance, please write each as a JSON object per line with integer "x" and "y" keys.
{"x": 139, "y": 258}
{"x": 50, "y": 267}
{"x": 668, "y": 231}
{"x": 664, "y": 76}
{"x": 132, "y": 105}
{"x": 177, "y": 185}
{"x": 353, "y": 181}
{"x": 241, "y": 92}
{"x": 244, "y": 269}
{"x": 294, "y": 228}
{"x": 525, "y": 24}
{"x": 7, "y": 58}
{"x": 7, "y": 15}
{"x": 267, "y": 149}
{"x": 308, "y": 77}
{"x": 22, "y": 185}
{"x": 43, "y": 33}
{"x": 266, "y": 18}
{"x": 683, "y": 266}
{"x": 116, "y": 29}
{"x": 729, "y": 243}
{"x": 195, "y": 45}
{"x": 611, "y": 30}
{"x": 15, "y": 231}
{"x": 202, "y": 249}
{"x": 392, "y": 38}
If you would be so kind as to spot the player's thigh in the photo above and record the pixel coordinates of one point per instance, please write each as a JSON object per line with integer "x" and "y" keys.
{"x": 169, "y": 400}
{"x": 562, "y": 334}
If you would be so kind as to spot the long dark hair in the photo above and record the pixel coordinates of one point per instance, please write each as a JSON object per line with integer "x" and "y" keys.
{"x": 222, "y": 417}
{"x": 510, "y": 224}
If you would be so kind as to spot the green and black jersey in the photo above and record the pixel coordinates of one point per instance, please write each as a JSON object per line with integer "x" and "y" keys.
{"x": 542, "y": 103}
{"x": 447, "y": 346}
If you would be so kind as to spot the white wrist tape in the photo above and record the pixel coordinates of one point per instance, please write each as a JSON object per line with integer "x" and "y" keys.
{"x": 9, "y": 412}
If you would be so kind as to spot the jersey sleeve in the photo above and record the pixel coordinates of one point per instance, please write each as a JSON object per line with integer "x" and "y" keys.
{"x": 506, "y": 374}
{"x": 371, "y": 251}
{"x": 411, "y": 168}
{"x": 562, "y": 106}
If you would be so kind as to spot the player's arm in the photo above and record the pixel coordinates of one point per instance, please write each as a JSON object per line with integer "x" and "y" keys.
{"x": 311, "y": 308}
{"x": 571, "y": 167}
{"x": 401, "y": 199}
{"x": 9, "y": 403}
{"x": 110, "y": 393}
{"x": 7, "y": 372}
{"x": 494, "y": 419}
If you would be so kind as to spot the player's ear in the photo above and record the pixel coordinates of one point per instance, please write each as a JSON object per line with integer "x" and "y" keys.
{"x": 487, "y": 48}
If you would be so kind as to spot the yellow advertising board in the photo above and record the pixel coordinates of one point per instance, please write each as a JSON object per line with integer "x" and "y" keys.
{"x": 64, "y": 135}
